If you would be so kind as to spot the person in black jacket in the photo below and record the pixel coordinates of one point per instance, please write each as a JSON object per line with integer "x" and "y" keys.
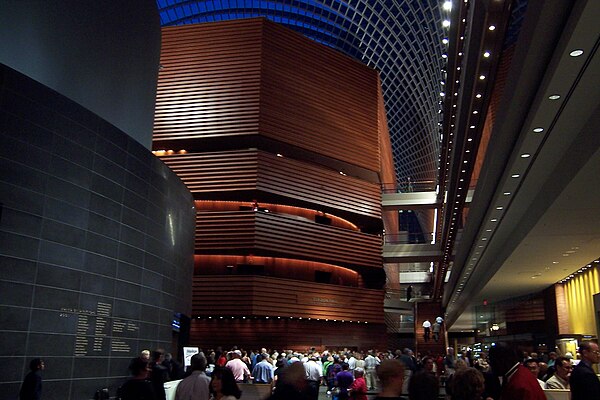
{"x": 138, "y": 387}
{"x": 583, "y": 381}
{"x": 32, "y": 384}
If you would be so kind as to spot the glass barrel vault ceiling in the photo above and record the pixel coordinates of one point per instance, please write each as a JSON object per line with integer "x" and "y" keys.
{"x": 400, "y": 38}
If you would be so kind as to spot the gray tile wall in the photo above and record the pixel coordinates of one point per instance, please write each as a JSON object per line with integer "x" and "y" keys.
{"x": 96, "y": 244}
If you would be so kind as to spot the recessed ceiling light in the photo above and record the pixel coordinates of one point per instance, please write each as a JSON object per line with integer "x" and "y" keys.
{"x": 525, "y": 155}
{"x": 445, "y": 23}
{"x": 554, "y": 97}
{"x": 475, "y": 112}
{"x": 538, "y": 130}
{"x": 576, "y": 53}
{"x": 499, "y": 208}
{"x": 444, "y": 55}
{"x": 484, "y": 239}
{"x": 555, "y": 262}
{"x": 482, "y": 77}
{"x": 488, "y": 230}
{"x": 445, "y": 40}
{"x": 493, "y": 219}
{"x": 506, "y": 193}
{"x": 478, "y": 95}
{"x": 492, "y": 27}
{"x": 486, "y": 54}
{"x": 472, "y": 127}
{"x": 515, "y": 175}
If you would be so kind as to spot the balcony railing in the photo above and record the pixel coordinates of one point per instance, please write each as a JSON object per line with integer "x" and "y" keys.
{"x": 408, "y": 186}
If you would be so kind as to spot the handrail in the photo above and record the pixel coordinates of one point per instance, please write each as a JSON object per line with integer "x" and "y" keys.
{"x": 408, "y": 238}
{"x": 408, "y": 186}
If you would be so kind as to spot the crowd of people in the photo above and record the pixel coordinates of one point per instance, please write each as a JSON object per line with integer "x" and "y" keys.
{"x": 347, "y": 375}
{"x": 503, "y": 374}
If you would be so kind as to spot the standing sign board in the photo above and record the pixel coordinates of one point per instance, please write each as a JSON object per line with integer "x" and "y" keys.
{"x": 188, "y": 352}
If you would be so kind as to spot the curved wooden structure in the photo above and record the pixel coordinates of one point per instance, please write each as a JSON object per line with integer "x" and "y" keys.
{"x": 284, "y": 162}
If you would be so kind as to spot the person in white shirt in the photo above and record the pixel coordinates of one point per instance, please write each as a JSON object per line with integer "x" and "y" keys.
{"x": 560, "y": 379}
{"x": 195, "y": 386}
{"x": 314, "y": 373}
{"x": 427, "y": 329}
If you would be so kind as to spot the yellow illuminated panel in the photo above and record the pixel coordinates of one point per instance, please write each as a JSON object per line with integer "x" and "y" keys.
{"x": 580, "y": 302}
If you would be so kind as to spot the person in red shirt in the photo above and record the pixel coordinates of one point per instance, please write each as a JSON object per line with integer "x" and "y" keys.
{"x": 517, "y": 382}
{"x": 358, "y": 390}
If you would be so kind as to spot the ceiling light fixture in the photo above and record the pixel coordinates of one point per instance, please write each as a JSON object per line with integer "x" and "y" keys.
{"x": 482, "y": 77}
{"x": 525, "y": 155}
{"x": 446, "y": 23}
{"x": 478, "y": 95}
{"x": 492, "y": 28}
{"x": 506, "y": 193}
{"x": 576, "y": 53}
{"x": 486, "y": 54}
{"x": 554, "y": 97}
{"x": 538, "y": 130}
{"x": 515, "y": 175}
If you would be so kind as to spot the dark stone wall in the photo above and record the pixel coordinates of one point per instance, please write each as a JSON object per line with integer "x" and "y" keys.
{"x": 96, "y": 244}
{"x": 103, "y": 54}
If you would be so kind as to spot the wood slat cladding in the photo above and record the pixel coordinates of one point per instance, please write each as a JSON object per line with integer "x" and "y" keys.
{"x": 317, "y": 98}
{"x": 261, "y": 233}
{"x": 528, "y": 310}
{"x": 287, "y": 268}
{"x": 283, "y": 333}
{"x": 275, "y": 297}
{"x": 254, "y": 77}
{"x": 248, "y": 170}
{"x": 209, "y": 82}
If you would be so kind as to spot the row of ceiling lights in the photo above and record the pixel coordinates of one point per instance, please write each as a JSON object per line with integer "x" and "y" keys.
{"x": 580, "y": 271}
{"x": 469, "y": 151}
{"x": 501, "y": 206}
{"x": 447, "y": 6}
{"x": 279, "y": 318}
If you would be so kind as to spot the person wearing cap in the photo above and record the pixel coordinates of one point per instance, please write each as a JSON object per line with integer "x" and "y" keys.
{"x": 238, "y": 367}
